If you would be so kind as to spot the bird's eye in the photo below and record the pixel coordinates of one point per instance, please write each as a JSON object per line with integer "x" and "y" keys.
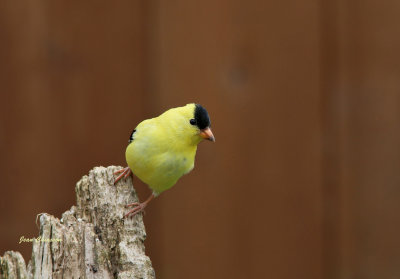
{"x": 193, "y": 121}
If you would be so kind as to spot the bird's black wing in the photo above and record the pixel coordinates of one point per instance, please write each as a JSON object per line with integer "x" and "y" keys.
{"x": 131, "y": 137}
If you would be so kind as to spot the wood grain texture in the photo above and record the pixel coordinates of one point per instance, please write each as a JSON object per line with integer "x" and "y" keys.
{"x": 91, "y": 240}
{"x": 12, "y": 266}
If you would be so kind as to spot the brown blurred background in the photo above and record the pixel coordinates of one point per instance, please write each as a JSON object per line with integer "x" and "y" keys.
{"x": 304, "y": 96}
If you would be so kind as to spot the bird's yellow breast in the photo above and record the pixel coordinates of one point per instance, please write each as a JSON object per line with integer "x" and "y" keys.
{"x": 159, "y": 154}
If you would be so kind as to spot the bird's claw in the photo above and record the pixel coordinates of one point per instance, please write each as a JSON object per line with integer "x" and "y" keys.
{"x": 125, "y": 172}
{"x": 119, "y": 171}
{"x": 132, "y": 204}
{"x": 139, "y": 207}
{"x": 136, "y": 210}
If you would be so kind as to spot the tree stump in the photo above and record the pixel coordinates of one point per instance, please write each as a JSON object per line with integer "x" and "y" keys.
{"x": 92, "y": 239}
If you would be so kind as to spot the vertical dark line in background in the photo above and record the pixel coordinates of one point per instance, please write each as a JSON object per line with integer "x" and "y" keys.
{"x": 150, "y": 73}
{"x": 331, "y": 91}
{"x": 151, "y": 56}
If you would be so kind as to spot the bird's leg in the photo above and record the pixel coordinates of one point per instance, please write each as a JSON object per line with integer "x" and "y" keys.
{"x": 138, "y": 207}
{"x": 125, "y": 172}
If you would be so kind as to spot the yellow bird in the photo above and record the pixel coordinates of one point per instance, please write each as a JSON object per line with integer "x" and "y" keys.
{"x": 162, "y": 149}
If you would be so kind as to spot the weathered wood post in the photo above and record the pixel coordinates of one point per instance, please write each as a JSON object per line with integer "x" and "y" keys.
{"x": 92, "y": 239}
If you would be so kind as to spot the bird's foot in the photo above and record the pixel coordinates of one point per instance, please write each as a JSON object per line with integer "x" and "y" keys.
{"x": 138, "y": 207}
{"x": 132, "y": 204}
{"x": 125, "y": 172}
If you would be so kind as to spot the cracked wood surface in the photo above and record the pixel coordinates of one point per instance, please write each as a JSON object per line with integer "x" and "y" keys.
{"x": 91, "y": 240}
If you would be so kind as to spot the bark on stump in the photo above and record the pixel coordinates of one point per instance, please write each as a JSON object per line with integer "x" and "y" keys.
{"x": 92, "y": 239}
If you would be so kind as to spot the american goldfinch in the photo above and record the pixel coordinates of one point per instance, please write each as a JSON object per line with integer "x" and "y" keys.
{"x": 162, "y": 149}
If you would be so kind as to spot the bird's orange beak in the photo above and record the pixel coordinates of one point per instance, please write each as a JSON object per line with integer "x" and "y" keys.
{"x": 207, "y": 134}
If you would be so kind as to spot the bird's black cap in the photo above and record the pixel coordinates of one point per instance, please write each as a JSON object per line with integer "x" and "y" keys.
{"x": 201, "y": 116}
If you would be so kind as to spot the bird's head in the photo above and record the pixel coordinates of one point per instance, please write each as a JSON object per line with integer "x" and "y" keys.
{"x": 201, "y": 122}
{"x": 189, "y": 123}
